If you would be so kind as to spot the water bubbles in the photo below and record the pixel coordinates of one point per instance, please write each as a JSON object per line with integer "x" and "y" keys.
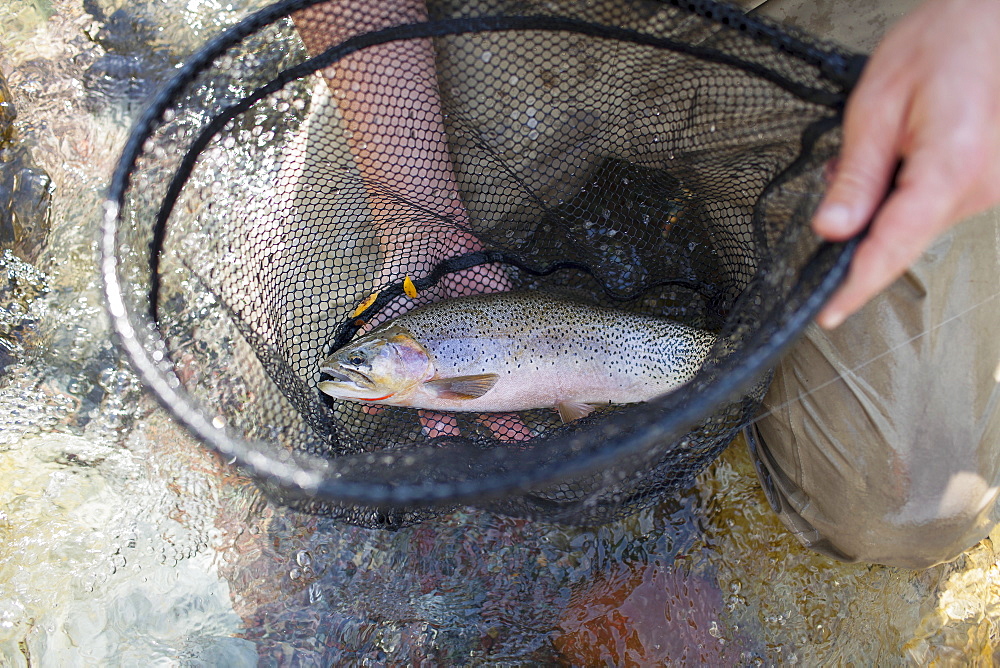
{"x": 315, "y": 594}
{"x": 775, "y": 620}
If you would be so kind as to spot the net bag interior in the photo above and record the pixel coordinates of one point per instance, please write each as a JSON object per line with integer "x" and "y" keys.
{"x": 655, "y": 157}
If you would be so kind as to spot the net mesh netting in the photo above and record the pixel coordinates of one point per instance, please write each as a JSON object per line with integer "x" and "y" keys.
{"x": 310, "y": 174}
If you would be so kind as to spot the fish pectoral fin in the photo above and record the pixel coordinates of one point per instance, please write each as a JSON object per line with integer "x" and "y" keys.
{"x": 573, "y": 410}
{"x": 463, "y": 387}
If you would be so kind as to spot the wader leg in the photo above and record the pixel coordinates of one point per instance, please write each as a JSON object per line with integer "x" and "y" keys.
{"x": 880, "y": 441}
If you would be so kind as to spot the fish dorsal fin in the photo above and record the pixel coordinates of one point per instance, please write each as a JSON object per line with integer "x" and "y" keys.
{"x": 463, "y": 387}
{"x": 573, "y": 410}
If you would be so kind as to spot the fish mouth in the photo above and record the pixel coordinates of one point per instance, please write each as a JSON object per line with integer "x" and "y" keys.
{"x": 343, "y": 375}
{"x": 344, "y": 383}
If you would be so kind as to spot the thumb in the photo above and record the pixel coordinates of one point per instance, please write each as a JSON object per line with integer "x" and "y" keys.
{"x": 864, "y": 171}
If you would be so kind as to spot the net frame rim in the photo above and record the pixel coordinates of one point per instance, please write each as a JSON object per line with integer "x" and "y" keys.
{"x": 282, "y": 468}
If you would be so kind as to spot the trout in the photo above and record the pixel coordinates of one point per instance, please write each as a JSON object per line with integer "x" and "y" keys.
{"x": 513, "y": 351}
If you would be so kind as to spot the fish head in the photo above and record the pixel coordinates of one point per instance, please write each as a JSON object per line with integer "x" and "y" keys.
{"x": 381, "y": 367}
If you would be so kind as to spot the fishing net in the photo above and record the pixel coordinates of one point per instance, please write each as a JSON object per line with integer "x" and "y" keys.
{"x": 295, "y": 185}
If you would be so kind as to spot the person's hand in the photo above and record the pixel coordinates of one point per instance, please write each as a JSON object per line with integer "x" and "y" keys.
{"x": 928, "y": 101}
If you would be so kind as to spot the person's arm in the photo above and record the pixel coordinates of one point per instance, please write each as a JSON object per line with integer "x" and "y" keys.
{"x": 389, "y": 98}
{"x": 928, "y": 101}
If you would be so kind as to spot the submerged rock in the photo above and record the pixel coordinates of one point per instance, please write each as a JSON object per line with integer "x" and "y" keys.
{"x": 134, "y": 60}
{"x": 21, "y": 285}
{"x": 25, "y": 189}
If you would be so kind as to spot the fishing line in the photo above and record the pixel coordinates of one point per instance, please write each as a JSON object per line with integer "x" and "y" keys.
{"x": 852, "y": 371}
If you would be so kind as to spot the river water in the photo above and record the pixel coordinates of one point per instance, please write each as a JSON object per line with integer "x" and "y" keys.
{"x": 122, "y": 542}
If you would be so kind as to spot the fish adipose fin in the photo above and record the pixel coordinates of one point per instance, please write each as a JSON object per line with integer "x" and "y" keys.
{"x": 463, "y": 387}
{"x": 572, "y": 410}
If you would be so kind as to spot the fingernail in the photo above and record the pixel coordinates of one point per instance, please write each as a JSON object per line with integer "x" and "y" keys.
{"x": 831, "y": 319}
{"x": 835, "y": 218}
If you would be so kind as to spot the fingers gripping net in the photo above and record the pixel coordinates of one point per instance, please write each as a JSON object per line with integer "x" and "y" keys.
{"x": 308, "y": 175}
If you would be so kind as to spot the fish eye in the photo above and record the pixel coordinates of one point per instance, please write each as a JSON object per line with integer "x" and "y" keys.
{"x": 356, "y": 359}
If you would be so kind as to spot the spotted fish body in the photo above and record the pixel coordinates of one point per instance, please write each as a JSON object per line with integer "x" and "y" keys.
{"x": 515, "y": 351}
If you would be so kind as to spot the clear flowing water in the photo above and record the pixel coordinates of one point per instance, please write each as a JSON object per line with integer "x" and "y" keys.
{"x": 122, "y": 542}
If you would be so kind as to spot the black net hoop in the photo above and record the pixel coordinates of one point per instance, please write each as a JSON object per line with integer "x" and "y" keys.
{"x": 662, "y": 158}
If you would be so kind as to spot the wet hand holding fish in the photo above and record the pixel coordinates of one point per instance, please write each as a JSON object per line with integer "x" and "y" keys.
{"x": 515, "y": 351}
